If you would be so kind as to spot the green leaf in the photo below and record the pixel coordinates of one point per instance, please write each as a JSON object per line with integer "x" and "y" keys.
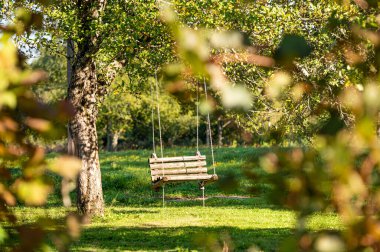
{"x": 3, "y": 235}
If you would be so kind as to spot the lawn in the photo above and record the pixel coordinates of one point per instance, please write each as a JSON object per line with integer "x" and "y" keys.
{"x": 135, "y": 219}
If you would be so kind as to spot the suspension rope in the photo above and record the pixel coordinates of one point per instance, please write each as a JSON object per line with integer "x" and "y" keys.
{"x": 197, "y": 118}
{"x": 161, "y": 146}
{"x": 152, "y": 96}
{"x": 163, "y": 195}
{"x": 202, "y": 185}
{"x": 209, "y": 128}
{"x": 159, "y": 115}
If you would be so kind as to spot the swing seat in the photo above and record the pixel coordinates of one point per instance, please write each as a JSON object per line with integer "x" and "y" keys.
{"x": 179, "y": 169}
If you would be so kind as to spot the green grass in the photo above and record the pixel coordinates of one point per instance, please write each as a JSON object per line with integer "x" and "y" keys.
{"x": 135, "y": 219}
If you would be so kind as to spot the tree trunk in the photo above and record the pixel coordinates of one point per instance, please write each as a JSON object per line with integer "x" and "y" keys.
{"x": 83, "y": 95}
{"x": 220, "y": 132}
{"x": 70, "y": 58}
{"x": 170, "y": 142}
{"x": 66, "y": 184}
{"x": 109, "y": 135}
{"x": 112, "y": 137}
{"x": 84, "y": 92}
{"x": 115, "y": 139}
{"x": 207, "y": 136}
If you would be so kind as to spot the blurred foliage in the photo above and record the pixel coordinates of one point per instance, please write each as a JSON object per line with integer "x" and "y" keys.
{"x": 194, "y": 48}
{"x": 21, "y": 114}
{"x": 273, "y": 35}
{"x": 302, "y": 28}
{"x": 339, "y": 170}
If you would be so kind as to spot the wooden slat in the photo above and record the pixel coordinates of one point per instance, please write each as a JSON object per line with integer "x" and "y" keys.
{"x": 178, "y": 178}
{"x": 176, "y": 159}
{"x": 177, "y": 165}
{"x": 174, "y": 178}
{"x": 180, "y": 171}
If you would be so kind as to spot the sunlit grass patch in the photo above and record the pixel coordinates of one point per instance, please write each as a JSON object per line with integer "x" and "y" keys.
{"x": 136, "y": 221}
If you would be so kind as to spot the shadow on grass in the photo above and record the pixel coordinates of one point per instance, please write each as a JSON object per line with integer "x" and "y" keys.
{"x": 175, "y": 238}
{"x": 140, "y": 211}
{"x": 174, "y": 200}
{"x": 249, "y": 203}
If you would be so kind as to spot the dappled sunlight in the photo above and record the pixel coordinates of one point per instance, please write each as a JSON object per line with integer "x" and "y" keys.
{"x": 142, "y": 228}
{"x": 242, "y": 217}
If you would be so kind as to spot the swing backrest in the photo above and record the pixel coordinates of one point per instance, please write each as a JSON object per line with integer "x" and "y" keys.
{"x": 185, "y": 165}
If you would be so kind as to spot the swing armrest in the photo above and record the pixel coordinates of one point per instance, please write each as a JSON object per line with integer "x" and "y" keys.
{"x": 157, "y": 184}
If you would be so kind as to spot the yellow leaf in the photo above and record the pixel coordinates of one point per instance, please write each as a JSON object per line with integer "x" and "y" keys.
{"x": 8, "y": 98}
{"x": 4, "y": 82}
{"x": 371, "y": 96}
{"x": 236, "y": 97}
{"x": 66, "y": 166}
{"x": 329, "y": 243}
{"x": 33, "y": 192}
{"x": 8, "y": 59}
{"x": 229, "y": 39}
{"x": 277, "y": 84}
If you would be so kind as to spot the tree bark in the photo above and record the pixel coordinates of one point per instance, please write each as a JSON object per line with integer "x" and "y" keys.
{"x": 83, "y": 96}
{"x": 66, "y": 184}
{"x": 70, "y": 59}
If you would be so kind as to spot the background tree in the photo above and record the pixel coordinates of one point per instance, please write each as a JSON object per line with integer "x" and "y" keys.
{"x": 115, "y": 115}
{"x": 127, "y": 111}
{"x": 54, "y": 88}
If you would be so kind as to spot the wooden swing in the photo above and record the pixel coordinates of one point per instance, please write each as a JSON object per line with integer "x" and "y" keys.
{"x": 165, "y": 170}
{"x": 179, "y": 169}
